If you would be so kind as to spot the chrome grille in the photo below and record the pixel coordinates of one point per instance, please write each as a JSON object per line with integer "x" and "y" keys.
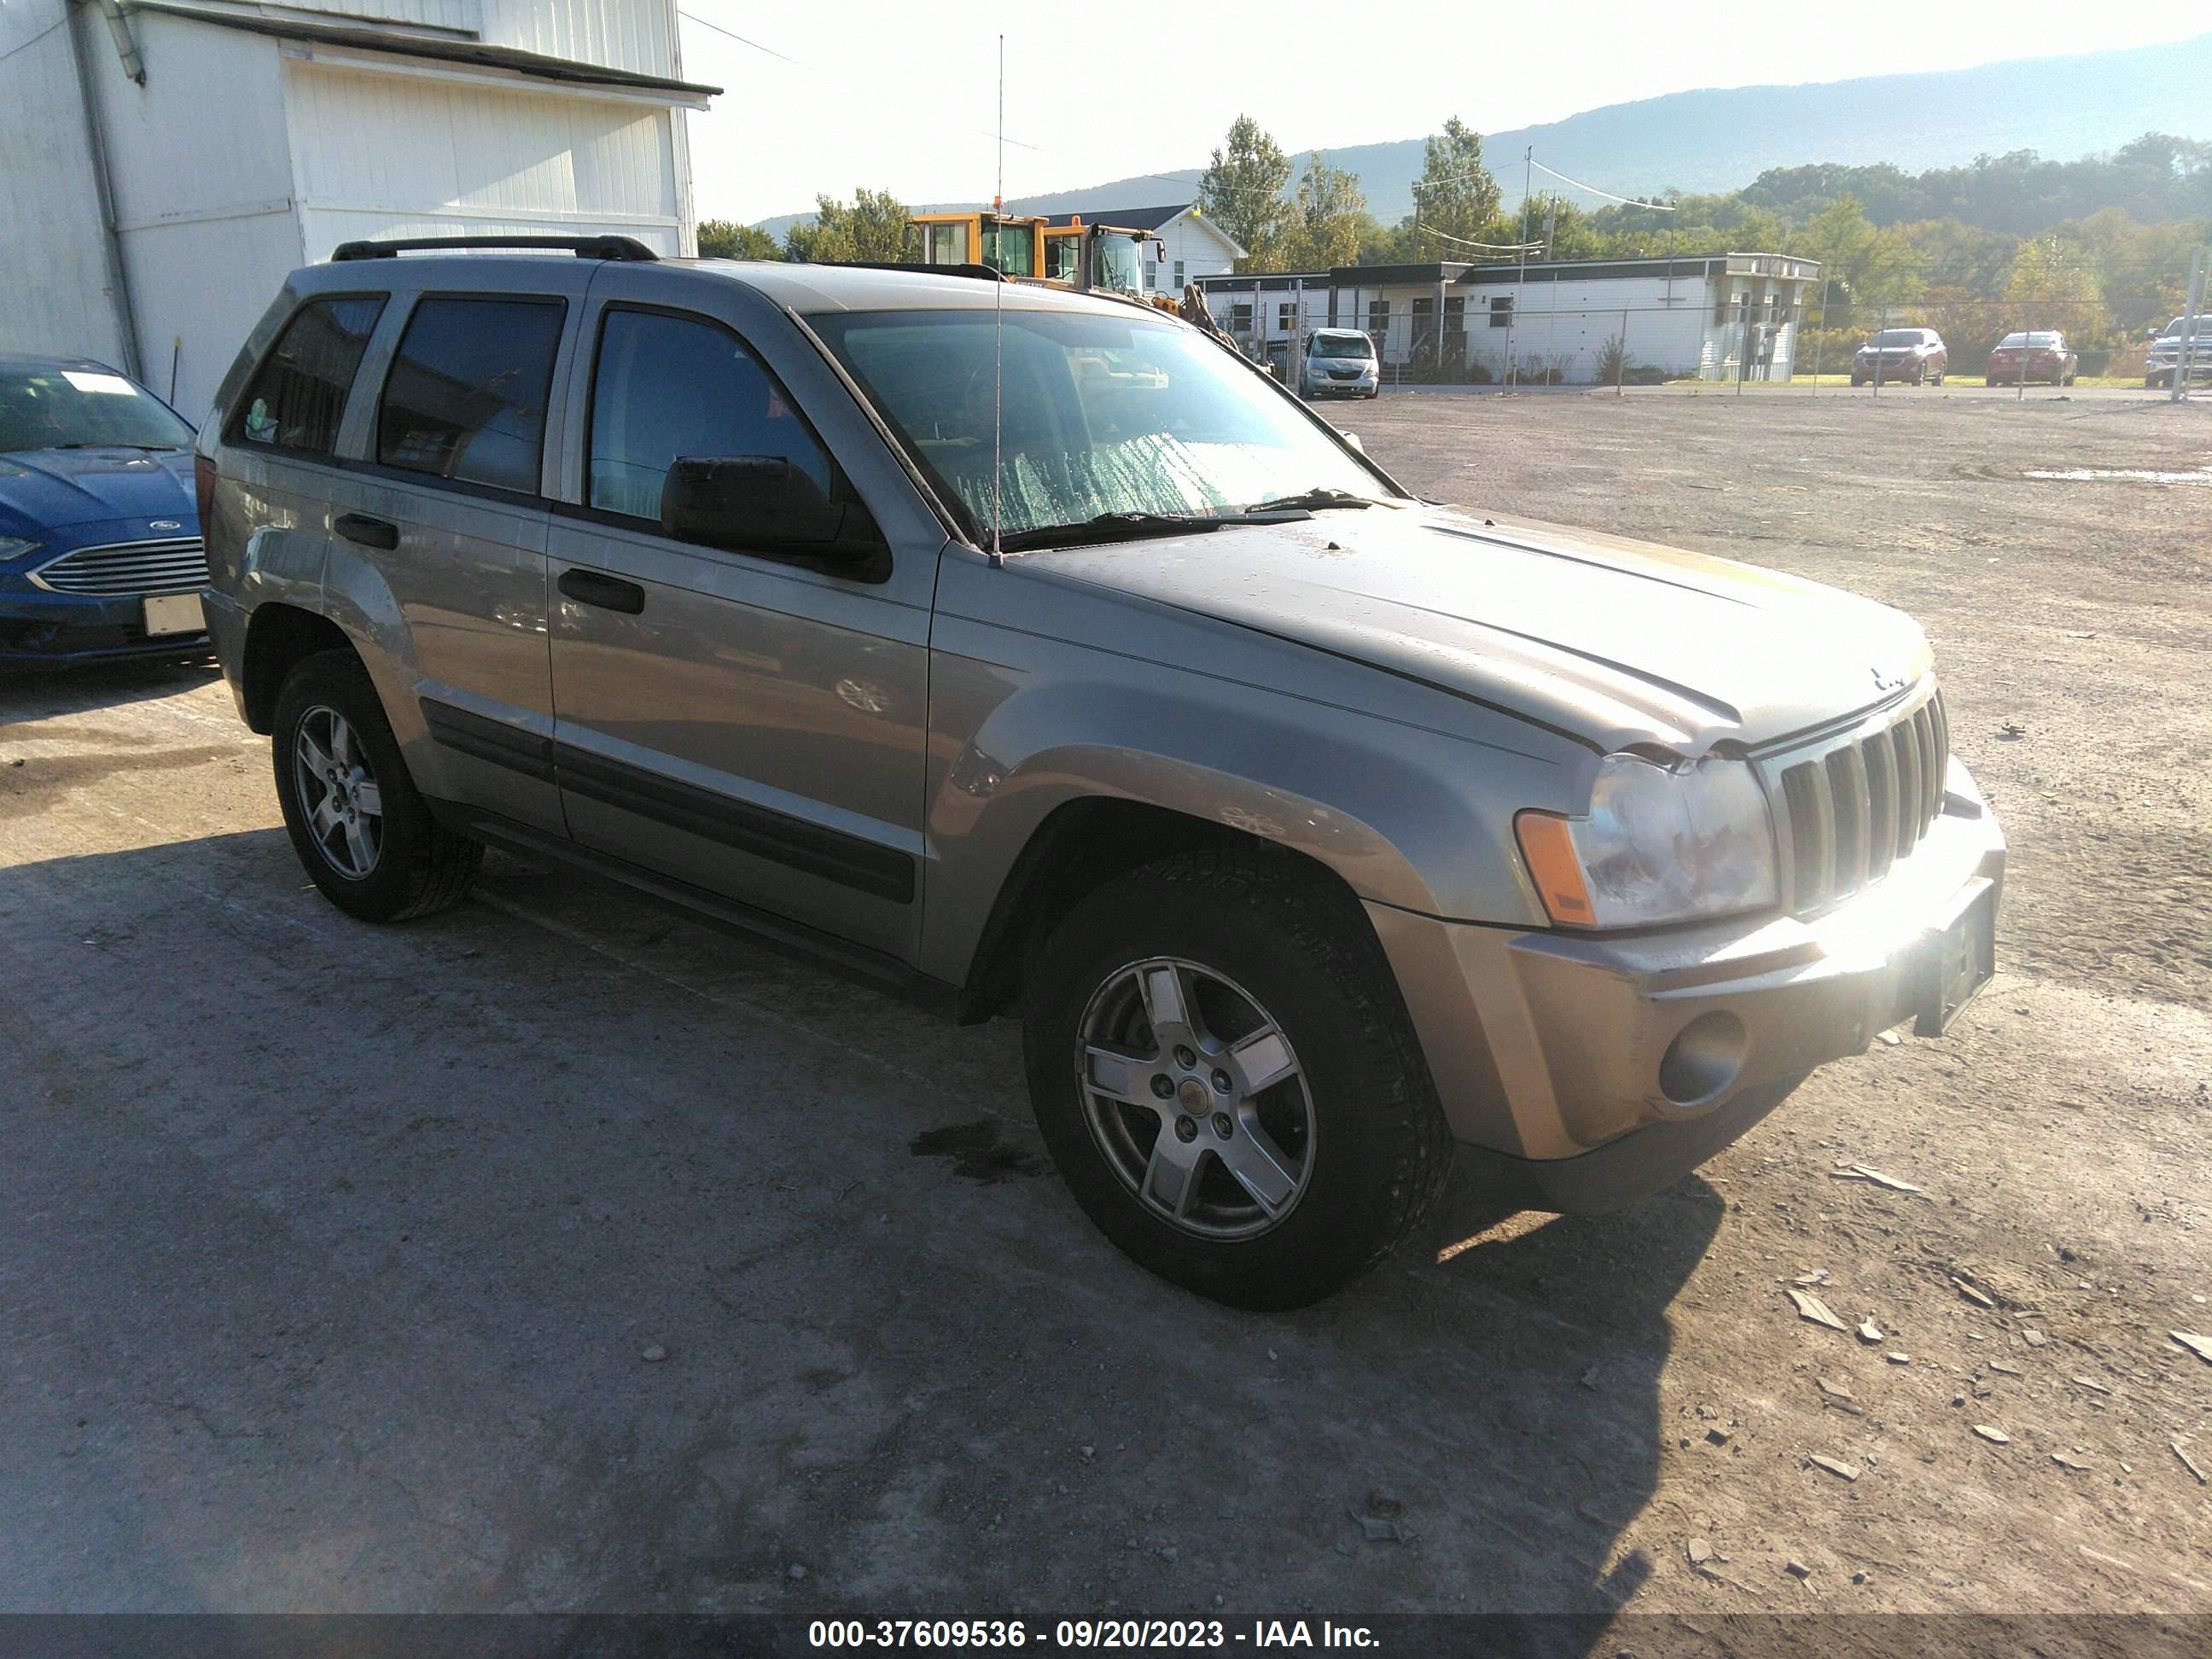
{"x": 170, "y": 566}
{"x": 1855, "y": 808}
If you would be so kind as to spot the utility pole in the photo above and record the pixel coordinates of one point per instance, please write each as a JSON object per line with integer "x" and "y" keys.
{"x": 1817, "y": 333}
{"x": 1520, "y": 287}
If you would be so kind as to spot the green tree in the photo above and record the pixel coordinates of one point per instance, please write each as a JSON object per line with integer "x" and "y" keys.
{"x": 2053, "y": 284}
{"x": 1384, "y": 245}
{"x": 720, "y": 239}
{"x": 1242, "y": 191}
{"x": 1327, "y": 218}
{"x": 874, "y": 227}
{"x": 1868, "y": 265}
{"x": 1456, "y": 194}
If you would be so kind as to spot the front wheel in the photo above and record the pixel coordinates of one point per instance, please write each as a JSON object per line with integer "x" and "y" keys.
{"x": 357, "y": 822}
{"x": 1223, "y": 1071}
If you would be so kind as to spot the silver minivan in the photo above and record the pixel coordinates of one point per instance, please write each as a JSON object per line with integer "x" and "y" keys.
{"x": 1339, "y": 362}
{"x": 1024, "y": 653}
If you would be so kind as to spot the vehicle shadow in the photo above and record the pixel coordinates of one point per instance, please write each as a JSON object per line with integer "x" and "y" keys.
{"x": 551, "y": 1254}
{"x": 35, "y": 693}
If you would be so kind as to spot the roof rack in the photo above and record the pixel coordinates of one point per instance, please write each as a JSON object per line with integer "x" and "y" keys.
{"x": 584, "y": 247}
{"x": 981, "y": 273}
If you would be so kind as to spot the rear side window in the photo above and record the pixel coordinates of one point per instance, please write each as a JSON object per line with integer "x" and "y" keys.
{"x": 465, "y": 398}
{"x": 668, "y": 387}
{"x": 299, "y": 397}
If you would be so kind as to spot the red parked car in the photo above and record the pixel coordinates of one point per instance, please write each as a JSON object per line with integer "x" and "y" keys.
{"x": 2038, "y": 357}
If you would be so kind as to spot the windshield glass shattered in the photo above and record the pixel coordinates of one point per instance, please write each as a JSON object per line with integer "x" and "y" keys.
{"x": 1103, "y": 415}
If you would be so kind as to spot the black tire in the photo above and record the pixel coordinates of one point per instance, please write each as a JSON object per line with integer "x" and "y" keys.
{"x": 1378, "y": 1152}
{"x": 419, "y": 867}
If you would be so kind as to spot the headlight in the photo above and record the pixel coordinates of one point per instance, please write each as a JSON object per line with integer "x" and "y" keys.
{"x": 14, "y": 547}
{"x": 1658, "y": 844}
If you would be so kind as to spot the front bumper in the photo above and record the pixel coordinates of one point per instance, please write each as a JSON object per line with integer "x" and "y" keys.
{"x": 1551, "y": 1051}
{"x": 64, "y": 630}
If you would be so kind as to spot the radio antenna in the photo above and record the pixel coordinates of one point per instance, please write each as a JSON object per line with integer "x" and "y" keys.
{"x": 999, "y": 323}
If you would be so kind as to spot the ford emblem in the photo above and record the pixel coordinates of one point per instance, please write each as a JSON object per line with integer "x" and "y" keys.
{"x": 164, "y": 524}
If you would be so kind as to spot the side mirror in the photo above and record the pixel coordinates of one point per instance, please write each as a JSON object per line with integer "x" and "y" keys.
{"x": 764, "y": 504}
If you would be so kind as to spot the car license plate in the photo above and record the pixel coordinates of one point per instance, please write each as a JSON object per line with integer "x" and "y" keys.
{"x": 1956, "y": 963}
{"x": 174, "y": 613}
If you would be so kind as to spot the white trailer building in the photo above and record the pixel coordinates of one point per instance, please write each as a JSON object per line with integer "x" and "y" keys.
{"x": 167, "y": 161}
{"x": 1712, "y": 316}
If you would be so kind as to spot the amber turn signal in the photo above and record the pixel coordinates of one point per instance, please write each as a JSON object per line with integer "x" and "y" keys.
{"x": 1550, "y": 854}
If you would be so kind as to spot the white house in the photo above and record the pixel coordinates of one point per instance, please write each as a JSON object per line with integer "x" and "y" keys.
{"x": 167, "y": 161}
{"x": 1195, "y": 246}
{"x": 1710, "y": 315}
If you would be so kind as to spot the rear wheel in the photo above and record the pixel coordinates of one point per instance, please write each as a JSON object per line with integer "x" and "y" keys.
{"x": 1224, "y": 1072}
{"x": 359, "y": 828}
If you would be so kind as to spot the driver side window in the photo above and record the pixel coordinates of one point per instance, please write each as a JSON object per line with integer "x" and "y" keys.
{"x": 666, "y": 386}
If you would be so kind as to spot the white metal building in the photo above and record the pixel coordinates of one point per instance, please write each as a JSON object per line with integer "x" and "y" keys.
{"x": 167, "y": 161}
{"x": 1712, "y": 316}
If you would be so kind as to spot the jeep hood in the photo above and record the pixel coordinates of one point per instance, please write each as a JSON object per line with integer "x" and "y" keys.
{"x": 1613, "y": 640}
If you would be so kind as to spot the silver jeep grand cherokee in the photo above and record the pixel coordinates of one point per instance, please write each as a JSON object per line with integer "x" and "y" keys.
{"x": 1029, "y": 652}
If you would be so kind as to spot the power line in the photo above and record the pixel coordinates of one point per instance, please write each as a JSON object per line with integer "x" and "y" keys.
{"x": 1625, "y": 201}
{"x": 1487, "y": 247}
{"x": 704, "y": 24}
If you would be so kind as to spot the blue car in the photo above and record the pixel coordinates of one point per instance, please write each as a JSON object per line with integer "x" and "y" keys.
{"x": 100, "y": 535}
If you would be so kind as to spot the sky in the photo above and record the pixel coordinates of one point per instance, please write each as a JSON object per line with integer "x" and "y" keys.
{"x": 902, "y": 97}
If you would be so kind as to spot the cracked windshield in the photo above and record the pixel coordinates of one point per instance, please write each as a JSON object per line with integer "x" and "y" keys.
{"x": 1101, "y": 414}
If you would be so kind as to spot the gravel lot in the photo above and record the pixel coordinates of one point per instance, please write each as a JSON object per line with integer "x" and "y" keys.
{"x": 329, "y": 1254}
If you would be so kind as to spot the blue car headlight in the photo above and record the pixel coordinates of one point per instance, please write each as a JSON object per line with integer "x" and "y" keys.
{"x": 13, "y": 547}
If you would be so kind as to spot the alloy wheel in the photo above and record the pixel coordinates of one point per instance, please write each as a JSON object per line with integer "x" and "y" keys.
{"x": 1192, "y": 1090}
{"x": 337, "y": 792}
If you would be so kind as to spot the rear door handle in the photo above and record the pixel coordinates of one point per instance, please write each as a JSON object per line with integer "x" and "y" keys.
{"x": 369, "y": 533}
{"x": 608, "y": 593}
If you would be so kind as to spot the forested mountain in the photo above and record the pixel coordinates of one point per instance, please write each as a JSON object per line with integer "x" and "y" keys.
{"x": 1720, "y": 139}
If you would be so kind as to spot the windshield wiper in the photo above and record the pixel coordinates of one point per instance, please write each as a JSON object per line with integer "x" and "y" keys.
{"x": 1134, "y": 526}
{"x": 1313, "y": 501}
{"x": 114, "y": 446}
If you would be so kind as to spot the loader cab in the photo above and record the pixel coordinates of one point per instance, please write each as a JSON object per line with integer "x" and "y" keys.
{"x": 1010, "y": 243}
{"x": 1105, "y": 258}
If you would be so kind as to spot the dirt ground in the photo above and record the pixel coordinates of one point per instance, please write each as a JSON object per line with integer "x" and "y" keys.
{"x": 329, "y": 1254}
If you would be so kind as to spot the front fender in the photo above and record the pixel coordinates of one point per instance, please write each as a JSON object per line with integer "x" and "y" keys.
{"x": 1406, "y": 816}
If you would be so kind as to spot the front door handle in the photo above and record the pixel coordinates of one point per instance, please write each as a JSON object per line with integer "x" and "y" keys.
{"x": 369, "y": 533}
{"x": 608, "y": 593}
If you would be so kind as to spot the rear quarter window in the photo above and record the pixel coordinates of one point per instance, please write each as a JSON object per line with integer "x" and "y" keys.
{"x": 298, "y": 396}
{"x": 465, "y": 398}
